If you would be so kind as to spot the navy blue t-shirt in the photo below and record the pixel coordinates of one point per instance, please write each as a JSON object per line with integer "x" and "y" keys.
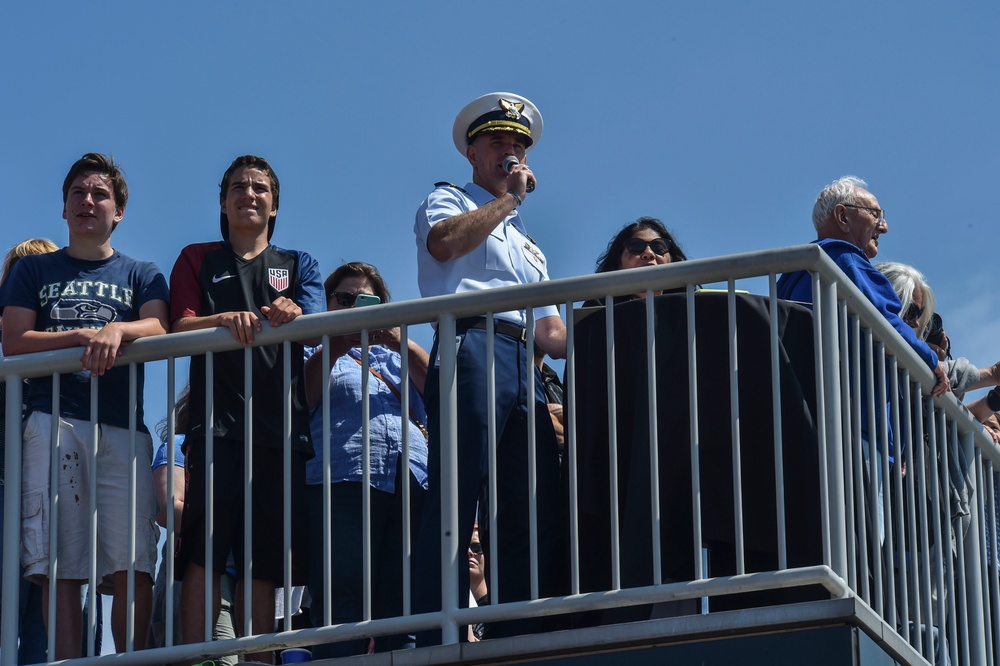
{"x": 67, "y": 294}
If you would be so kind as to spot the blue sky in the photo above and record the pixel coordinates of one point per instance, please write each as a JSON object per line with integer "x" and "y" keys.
{"x": 724, "y": 119}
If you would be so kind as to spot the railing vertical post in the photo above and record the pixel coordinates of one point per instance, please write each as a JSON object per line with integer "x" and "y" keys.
{"x": 491, "y": 454}
{"x": 700, "y": 568}
{"x": 286, "y": 495}
{"x": 973, "y": 553}
{"x": 574, "y": 516}
{"x": 654, "y": 438}
{"x": 734, "y": 427}
{"x": 130, "y": 628}
{"x": 95, "y": 437}
{"x": 366, "y": 480}
{"x": 776, "y": 409}
{"x": 210, "y": 491}
{"x": 529, "y": 371}
{"x": 609, "y": 328}
{"x": 171, "y": 539}
{"x": 404, "y": 457}
{"x": 447, "y": 350}
{"x": 248, "y": 476}
{"x": 830, "y": 349}
{"x": 11, "y": 522}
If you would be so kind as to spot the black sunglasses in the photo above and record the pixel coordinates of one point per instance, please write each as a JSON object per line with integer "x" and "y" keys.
{"x": 346, "y": 298}
{"x": 659, "y": 246}
{"x": 913, "y": 313}
{"x": 476, "y": 547}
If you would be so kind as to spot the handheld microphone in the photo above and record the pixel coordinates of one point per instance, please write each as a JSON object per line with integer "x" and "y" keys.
{"x": 509, "y": 163}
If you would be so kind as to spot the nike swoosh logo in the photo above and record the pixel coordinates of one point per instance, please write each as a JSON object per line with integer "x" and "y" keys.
{"x": 219, "y": 278}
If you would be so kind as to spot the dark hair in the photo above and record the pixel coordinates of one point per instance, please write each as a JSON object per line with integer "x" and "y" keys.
{"x": 180, "y": 415}
{"x": 611, "y": 259}
{"x": 252, "y": 162}
{"x": 357, "y": 269}
{"x": 104, "y": 165}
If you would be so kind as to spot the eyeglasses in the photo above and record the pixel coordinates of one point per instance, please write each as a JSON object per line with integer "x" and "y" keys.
{"x": 346, "y": 298}
{"x": 913, "y": 313}
{"x": 877, "y": 213}
{"x": 659, "y": 246}
{"x": 476, "y": 547}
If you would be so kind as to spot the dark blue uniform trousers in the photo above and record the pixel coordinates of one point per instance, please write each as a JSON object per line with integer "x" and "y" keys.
{"x": 513, "y": 531}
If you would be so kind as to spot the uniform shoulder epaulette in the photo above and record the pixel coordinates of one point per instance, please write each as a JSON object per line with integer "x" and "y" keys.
{"x": 445, "y": 183}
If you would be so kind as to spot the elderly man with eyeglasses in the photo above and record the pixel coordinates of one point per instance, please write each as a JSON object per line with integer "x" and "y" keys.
{"x": 850, "y": 222}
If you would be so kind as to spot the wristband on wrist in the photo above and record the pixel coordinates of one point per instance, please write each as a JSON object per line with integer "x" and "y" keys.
{"x": 518, "y": 199}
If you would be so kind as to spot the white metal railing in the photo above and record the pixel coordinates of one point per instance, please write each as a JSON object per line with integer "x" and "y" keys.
{"x": 926, "y": 569}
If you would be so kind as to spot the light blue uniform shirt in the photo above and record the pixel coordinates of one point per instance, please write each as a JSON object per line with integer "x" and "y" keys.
{"x": 507, "y": 257}
{"x": 385, "y": 423}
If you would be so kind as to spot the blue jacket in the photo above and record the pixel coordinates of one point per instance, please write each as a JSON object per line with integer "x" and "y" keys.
{"x": 876, "y": 287}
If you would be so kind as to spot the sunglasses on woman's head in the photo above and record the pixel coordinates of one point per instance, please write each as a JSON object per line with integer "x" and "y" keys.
{"x": 659, "y": 246}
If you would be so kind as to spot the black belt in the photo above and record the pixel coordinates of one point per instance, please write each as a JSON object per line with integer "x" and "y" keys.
{"x": 501, "y": 327}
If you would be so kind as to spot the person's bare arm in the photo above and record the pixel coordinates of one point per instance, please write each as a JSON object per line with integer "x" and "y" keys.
{"x": 457, "y": 236}
{"x": 557, "y": 417}
{"x": 418, "y": 363}
{"x": 987, "y": 377}
{"x": 242, "y": 324}
{"x": 980, "y": 409}
{"x": 550, "y": 336}
{"x": 101, "y": 346}
{"x": 20, "y": 336}
{"x": 163, "y": 501}
{"x": 418, "y": 359}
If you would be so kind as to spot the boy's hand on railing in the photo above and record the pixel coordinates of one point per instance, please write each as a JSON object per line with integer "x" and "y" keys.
{"x": 242, "y": 325}
{"x": 943, "y": 385}
{"x": 281, "y": 311}
{"x": 104, "y": 346}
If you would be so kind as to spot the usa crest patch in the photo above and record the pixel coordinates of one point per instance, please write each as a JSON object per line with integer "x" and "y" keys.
{"x": 278, "y": 278}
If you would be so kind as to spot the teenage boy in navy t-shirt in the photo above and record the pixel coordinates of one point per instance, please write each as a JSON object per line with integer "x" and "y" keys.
{"x": 92, "y": 296}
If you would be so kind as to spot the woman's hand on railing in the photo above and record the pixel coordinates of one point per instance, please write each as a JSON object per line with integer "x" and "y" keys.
{"x": 943, "y": 385}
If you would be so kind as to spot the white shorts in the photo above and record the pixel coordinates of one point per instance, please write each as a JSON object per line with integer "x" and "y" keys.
{"x": 76, "y": 461}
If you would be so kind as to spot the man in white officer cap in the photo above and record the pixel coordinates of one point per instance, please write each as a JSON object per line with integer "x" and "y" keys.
{"x": 468, "y": 239}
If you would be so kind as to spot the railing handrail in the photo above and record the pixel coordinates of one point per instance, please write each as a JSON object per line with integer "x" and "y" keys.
{"x": 563, "y": 291}
{"x": 808, "y": 257}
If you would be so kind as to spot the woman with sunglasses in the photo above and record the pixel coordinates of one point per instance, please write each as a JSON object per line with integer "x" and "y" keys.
{"x": 917, "y": 310}
{"x": 645, "y": 242}
{"x": 388, "y": 470}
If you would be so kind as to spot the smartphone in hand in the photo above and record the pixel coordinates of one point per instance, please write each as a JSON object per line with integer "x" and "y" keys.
{"x": 366, "y": 299}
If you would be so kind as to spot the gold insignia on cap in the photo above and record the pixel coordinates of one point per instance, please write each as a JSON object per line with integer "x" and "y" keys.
{"x": 513, "y": 109}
